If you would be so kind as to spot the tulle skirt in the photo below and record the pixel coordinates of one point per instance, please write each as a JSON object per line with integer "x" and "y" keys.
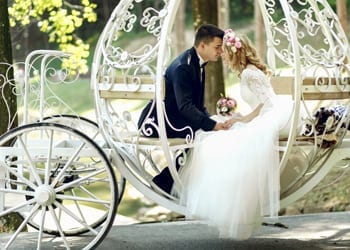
{"x": 232, "y": 180}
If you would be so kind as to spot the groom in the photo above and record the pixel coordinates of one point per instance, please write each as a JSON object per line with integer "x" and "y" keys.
{"x": 184, "y": 92}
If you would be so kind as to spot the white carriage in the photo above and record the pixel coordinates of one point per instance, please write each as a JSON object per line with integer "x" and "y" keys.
{"x": 53, "y": 170}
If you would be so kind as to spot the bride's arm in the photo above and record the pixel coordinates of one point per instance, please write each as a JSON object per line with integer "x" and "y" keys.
{"x": 260, "y": 88}
{"x": 246, "y": 118}
{"x": 253, "y": 114}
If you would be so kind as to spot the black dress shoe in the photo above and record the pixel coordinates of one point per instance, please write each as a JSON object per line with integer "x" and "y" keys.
{"x": 163, "y": 182}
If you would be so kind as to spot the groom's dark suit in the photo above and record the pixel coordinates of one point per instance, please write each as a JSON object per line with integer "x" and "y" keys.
{"x": 184, "y": 97}
{"x": 184, "y": 104}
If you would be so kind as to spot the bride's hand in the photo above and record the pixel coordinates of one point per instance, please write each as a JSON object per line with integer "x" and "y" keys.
{"x": 236, "y": 115}
{"x": 229, "y": 123}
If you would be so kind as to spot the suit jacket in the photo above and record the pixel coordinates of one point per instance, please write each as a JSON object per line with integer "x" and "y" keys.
{"x": 184, "y": 97}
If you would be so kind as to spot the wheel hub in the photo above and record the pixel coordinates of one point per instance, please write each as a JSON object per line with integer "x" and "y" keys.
{"x": 45, "y": 195}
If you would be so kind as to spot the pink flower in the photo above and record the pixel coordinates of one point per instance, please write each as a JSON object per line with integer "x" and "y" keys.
{"x": 231, "y": 40}
{"x": 226, "y": 105}
{"x": 228, "y": 31}
{"x": 231, "y": 103}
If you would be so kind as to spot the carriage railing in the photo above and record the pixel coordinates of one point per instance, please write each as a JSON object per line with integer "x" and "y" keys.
{"x": 287, "y": 42}
{"x": 35, "y": 86}
{"x": 320, "y": 39}
{"x": 313, "y": 146}
{"x": 308, "y": 52}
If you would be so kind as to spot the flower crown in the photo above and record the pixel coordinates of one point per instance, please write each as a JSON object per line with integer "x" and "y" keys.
{"x": 232, "y": 41}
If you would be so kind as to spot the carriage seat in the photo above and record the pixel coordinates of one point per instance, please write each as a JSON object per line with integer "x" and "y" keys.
{"x": 320, "y": 89}
{"x": 138, "y": 87}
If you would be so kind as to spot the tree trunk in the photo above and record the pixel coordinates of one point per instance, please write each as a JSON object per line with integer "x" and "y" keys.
{"x": 342, "y": 14}
{"x": 259, "y": 31}
{"x": 9, "y": 222}
{"x": 106, "y": 11}
{"x": 179, "y": 29}
{"x": 224, "y": 13}
{"x": 6, "y": 90}
{"x": 224, "y": 21}
{"x": 206, "y": 11}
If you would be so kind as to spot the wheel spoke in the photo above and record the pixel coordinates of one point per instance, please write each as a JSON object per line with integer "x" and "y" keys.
{"x": 48, "y": 162}
{"x": 31, "y": 163}
{"x": 78, "y": 181}
{"x": 18, "y": 207}
{"x": 19, "y": 229}
{"x": 74, "y": 217}
{"x": 19, "y": 176}
{"x": 77, "y": 198}
{"x": 41, "y": 226}
{"x": 95, "y": 135}
{"x": 16, "y": 191}
{"x": 58, "y": 226}
{"x": 89, "y": 193}
{"x": 68, "y": 163}
{"x": 77, "y": 206}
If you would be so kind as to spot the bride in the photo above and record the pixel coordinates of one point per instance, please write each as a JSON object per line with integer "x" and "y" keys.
{"x": 232, "y": 180}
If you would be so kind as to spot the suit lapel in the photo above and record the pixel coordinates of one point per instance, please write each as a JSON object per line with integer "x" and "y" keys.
{"x": 195, "y": 63}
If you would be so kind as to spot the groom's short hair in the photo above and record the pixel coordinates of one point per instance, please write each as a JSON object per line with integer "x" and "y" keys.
{"x": 207, "y": 33}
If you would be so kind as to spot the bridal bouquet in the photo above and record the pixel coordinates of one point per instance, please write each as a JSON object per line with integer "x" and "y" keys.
{"x": 226, "y": 105}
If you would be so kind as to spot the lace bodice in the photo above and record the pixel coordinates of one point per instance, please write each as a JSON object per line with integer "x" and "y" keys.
{"x": 255, "y": 88}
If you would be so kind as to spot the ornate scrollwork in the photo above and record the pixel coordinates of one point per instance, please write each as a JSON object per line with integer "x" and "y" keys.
{"x": 122, "y": 57}
{"x": 34, "y": 87}
{"x": 320, "y": 39}
{"x": 12, "y": 80}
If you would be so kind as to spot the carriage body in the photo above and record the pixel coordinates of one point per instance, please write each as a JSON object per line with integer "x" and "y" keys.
{"x": 125, "y": 77}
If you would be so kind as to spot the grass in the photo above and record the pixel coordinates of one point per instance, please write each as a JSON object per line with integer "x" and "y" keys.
{"x": 79, "y": 95}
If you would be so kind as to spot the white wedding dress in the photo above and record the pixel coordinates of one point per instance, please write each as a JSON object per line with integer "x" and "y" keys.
{"x": 232, "y": 180}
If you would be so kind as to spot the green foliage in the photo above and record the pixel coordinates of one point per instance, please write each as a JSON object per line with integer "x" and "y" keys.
{"x": 241, "y": 9}
{"x": 79, "y": 90}
{"x": 10, "y": 222}
{"x": 59, "y": 19}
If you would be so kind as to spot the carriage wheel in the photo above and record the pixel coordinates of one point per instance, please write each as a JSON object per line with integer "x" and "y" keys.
{"x": 91, "y": 129}
{"x": 64, "y": 185}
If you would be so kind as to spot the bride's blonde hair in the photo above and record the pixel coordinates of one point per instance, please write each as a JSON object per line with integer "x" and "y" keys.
{"x": 241, "y": 52}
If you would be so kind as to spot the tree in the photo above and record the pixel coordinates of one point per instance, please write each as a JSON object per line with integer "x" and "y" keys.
{"x": 224, "y": 20}
{"x": 6, "y": 90}
{"x": 179, "y": 28}
{"x": 59, "y": 19}
{"x": 206, "y": 11}
{"x": 342, "y": 14}
{"x": 7, "y": 113}
{"x": 224, "y": 13}
{"x": 259, "y": 31}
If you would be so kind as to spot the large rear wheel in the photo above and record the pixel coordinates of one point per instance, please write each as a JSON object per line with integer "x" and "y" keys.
{"x": 60, "y": 182}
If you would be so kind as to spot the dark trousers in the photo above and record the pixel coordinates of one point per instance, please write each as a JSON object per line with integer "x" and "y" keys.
{"x": 164, "y": 180}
